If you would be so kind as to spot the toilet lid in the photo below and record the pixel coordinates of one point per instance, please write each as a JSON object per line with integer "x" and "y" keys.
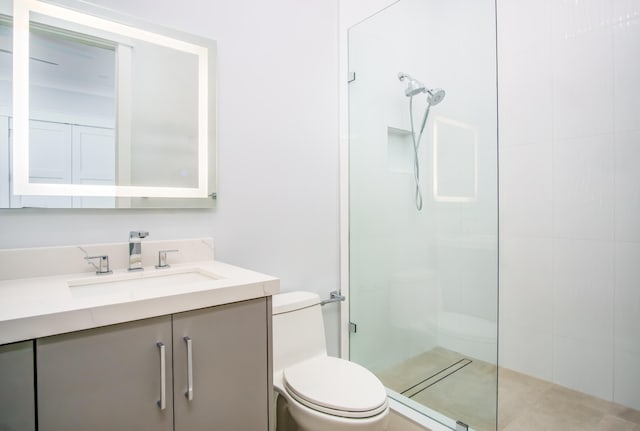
{"x": 336, "y": 386}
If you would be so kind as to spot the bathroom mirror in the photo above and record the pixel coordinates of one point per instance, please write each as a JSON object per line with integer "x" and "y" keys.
{"x": 102, "y": 110}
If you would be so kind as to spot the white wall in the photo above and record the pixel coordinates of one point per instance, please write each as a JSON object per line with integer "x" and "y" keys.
{"x": 570, "y": 195}
{"x": 278, "y": 147}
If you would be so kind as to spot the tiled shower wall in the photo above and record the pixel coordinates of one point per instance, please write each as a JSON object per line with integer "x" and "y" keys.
{"x": 569, "y": 97}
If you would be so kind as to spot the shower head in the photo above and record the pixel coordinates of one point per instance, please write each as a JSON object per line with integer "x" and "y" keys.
{"x": 435, "y": 96}
{"x": 414, "y": 86}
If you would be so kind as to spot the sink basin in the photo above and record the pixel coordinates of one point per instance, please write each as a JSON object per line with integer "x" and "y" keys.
{"x": 139, "y": 281}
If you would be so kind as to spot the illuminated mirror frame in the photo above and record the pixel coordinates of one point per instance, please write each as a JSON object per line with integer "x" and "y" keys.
{"x": 21, "y": 184}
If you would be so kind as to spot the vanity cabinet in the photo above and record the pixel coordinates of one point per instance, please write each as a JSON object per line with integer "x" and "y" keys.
{"x": 229, "y": 368}
{"x": 17, "y": 391}
{"x": 105, "y": 378}
{"x": 216, "y": 373}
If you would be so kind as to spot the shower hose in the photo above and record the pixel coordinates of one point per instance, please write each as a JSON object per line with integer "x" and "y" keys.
{"x": 416, "y": 146}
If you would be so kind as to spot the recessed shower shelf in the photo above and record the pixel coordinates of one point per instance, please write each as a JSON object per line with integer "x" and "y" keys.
{"x": 399, "y": 150}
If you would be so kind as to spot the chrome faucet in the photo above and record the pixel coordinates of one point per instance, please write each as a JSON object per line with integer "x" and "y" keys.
{"x": 135, "y": 249}
{"x": 102, "y": 267}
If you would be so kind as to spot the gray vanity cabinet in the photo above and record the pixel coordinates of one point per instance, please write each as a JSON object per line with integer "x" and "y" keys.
{"x": 17, "y": 392}
{"x": 228, "y": 365}
{"x": 107, "y": 378}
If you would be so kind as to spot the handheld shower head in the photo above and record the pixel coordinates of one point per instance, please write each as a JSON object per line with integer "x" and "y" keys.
{"x": 414, "y": 87}
{"x": 435, "y": 96}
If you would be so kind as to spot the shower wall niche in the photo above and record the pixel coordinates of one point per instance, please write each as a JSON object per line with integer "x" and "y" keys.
{"x": 399, "y": 150}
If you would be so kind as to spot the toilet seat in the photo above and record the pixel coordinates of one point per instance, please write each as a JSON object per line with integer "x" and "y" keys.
{"x": 336, "y": 387}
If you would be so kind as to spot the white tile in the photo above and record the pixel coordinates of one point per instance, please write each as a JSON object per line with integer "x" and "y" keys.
{"x": 523, "y": 25}
{"x": 627, "y": 378}
{"x": 476, "y": 286}
{"x": 627, "y": 297}
{"x": 524, "y": 67}
{"x": 584, "y": 365}
{"x": 627, "y": 186}
{"x": 583, "y": 187}
{"x": 583, "y": 289}
{"x": 526, "y": 349}
{"x": 525, "y": 97}
{"x": 526, "y": 304}
{"x": 526, "y": 190}
{"x": 626, "y": 64}
{"x": 582, "y": 68}
{"x": 526, "y": 295}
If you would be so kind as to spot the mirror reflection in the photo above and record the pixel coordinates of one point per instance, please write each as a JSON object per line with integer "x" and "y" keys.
{"x": 116, "y": 118}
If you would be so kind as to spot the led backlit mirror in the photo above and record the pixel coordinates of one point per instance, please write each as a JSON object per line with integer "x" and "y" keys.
{"x": 103, "y": 111}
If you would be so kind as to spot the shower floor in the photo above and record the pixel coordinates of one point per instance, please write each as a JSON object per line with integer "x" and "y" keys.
{"x": 445, "y": 381}
{"x": 464, "y": 388}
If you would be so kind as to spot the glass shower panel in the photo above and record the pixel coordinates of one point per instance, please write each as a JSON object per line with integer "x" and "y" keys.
{"x": 423, "y": 282}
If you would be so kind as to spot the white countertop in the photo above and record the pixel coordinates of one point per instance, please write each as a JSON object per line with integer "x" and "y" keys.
{"x": 42, "y": 306}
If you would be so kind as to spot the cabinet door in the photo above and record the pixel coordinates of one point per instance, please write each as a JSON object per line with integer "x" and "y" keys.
{"x": 17, "y": 396}
{"x": 49, "y": 162}
{"x": 93, "y": 162}
{"x": 230, "y": 368}
{"x": 105, "y": 378}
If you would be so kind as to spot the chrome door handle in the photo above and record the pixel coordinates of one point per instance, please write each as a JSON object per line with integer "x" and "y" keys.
{"x": 189, "y": 393}
{"x": 162, "y": 403}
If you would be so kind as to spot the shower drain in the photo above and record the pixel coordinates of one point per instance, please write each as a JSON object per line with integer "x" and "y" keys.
{"x": 435, "y": 378}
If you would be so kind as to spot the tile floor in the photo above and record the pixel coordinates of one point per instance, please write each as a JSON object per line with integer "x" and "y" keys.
{"x": 465, "y": 390}
{"x": 530, "y": 404}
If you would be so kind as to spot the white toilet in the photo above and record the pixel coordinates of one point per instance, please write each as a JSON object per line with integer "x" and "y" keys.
{"x": 317, "y": 391}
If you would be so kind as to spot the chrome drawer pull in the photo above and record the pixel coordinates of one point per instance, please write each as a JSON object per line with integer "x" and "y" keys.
{"x": 162, "y": 403}
{"x": 189, "y": 393}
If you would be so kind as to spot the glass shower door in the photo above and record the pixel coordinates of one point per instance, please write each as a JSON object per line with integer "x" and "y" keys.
{"x": 423, "y": 278}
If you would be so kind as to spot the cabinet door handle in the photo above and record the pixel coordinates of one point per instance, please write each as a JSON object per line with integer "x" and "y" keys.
{"x": 162, "y": 403}
{"x": 189, "y": 393}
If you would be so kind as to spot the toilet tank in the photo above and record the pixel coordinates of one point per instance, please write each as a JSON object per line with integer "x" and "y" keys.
{"x": 298, "y": 328}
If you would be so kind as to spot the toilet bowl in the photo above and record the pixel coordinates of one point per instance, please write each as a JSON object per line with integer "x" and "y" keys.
{"x": 317, "y": 392}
